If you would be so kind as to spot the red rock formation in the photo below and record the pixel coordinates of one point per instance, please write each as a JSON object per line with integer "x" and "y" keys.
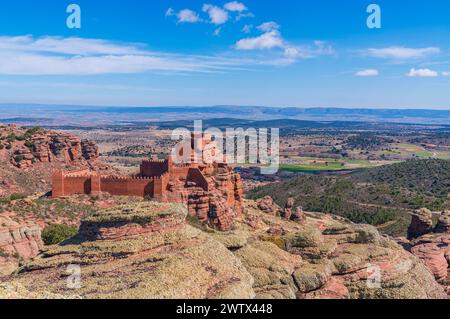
{"x": 434, "y": 259}
{"x": 287, "y": 212}
{"x": 443, "y": 225}
{"x": 298, "y": 216}
{"x": 17, "y": 242}
{"x": 129, "y": 221}
{"x": 421, "y": 223}
{"x": 267, "y": 205}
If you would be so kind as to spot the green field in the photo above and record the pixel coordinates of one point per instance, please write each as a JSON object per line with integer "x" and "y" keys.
{"x": 333, "y": 166}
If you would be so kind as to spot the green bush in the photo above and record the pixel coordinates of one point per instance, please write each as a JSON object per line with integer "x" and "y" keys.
{"x": 55, "y": 234}
{"x": 16, "y": 196}
{"x": 19, "y": 158}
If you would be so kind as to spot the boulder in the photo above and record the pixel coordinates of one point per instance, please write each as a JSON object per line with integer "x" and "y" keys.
{"x": 268, "y": 206}
{"x": 443, "y": 225}
{"x": 421, "y": 223}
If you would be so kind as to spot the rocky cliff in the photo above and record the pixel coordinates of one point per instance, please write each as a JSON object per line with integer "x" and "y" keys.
{"x": 28, "y": 156}
{"x": 432, "y": 246}
{"x": 146, "y": 250}
{"x": 18, "y": 243}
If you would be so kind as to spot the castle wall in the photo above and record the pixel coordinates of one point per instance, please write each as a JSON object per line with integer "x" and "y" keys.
{"x": 76, "y": 185}
{"x": 127, "y": 186}
{"x": 154, "y": 168}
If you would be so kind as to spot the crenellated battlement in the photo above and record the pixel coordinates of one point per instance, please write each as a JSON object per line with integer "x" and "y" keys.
{"x": 192, "y": 184}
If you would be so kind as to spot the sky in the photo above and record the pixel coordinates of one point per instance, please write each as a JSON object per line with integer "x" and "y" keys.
{"x": 281, "y": 53}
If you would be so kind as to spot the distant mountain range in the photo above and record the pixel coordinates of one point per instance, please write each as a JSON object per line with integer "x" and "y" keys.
{"x": 27, "y": 114}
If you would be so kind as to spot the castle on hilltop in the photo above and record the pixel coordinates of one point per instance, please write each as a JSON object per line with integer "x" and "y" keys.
{"x": 211, "y": 191}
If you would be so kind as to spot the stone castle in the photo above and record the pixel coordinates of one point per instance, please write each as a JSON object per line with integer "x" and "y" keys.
{"x": 211, "y": 191}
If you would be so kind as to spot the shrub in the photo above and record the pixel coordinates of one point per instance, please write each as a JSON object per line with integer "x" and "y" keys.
{"x": 33, "y": 131}
{"x": 16, "y": 196}
{"x": 55, "y": 234}
{"x": 3, "y": 254}
{"x": 19, "y": 158}
{"x": 29, "y": 144}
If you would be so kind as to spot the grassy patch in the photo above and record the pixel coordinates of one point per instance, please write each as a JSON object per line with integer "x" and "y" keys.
{"x": 55, "y": 234}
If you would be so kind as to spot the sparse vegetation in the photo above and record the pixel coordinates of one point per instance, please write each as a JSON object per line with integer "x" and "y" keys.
{"x": 376, "y": 196}
{"x": 57, "y": 233}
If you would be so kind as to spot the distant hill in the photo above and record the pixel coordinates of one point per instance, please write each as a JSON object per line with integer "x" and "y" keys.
{"x": 381, "y": 196}
{"x": 61, "y": 114}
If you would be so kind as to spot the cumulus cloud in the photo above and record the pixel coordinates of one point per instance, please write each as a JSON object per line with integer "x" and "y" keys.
{"x": 188, "y": 16}
{"x": 367, "y": 72}
{"x": 235, "y": 6}
{"x": 402, "y": 53}
{"x": 268, "y": 26}
{"x": 268, "y": 40}
{"x": 216, "y": 15}
{"x": 271, "y": 38}
{"x": 424, "y": 73}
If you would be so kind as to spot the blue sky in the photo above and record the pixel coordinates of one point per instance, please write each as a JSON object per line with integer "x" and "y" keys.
{"x": 250, "y": 52}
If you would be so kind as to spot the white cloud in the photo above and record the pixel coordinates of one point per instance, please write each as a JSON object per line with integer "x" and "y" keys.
{"x": 402, "y": 53}
{"x": 247, "y": 28}
{"x": 306, "y": 52}
{"x": 188, "y": 16}
{"x": 216, "y": 32}
{"x": 170, "y": 12}
{"x": 216, "y": 15}
{"x": 27, "y": 55}
{"x": 268, "y": 40}
{"x": 446, "y": 73}
{"x": 272, "y": 39}
{"x": 268, "y": 26}
{"x": 426, "y": 73}
{"x": 75, "y": 46}
{"x": 367, "y": 72}
{"x": 235, "y": 6}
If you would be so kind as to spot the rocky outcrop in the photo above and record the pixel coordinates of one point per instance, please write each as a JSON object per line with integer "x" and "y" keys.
{"x": 143, "y": 250}
{"x": 132, "y": 220}
{"x": 29, "y": 156}
{"x": 287, "y": 212}
{"x": 434, "y": 258}
{"x": 327, "y": 257}
{"x": 268, "y": 206}
{"x": 443, "y": 225}
{"x": 137, "y": 251}
{"x": 421, "y": 223}
{"x": 433, "y": 248}
{"x": 18, "y": 242}
{"x": 28, "y": 147}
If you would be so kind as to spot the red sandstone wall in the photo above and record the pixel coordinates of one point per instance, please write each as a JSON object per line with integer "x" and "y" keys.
{"x": 127, "y": 187}
{"x": 152, "y": 169}
{"x": 77, "y": 185}
{"x": 194, "y": 175}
